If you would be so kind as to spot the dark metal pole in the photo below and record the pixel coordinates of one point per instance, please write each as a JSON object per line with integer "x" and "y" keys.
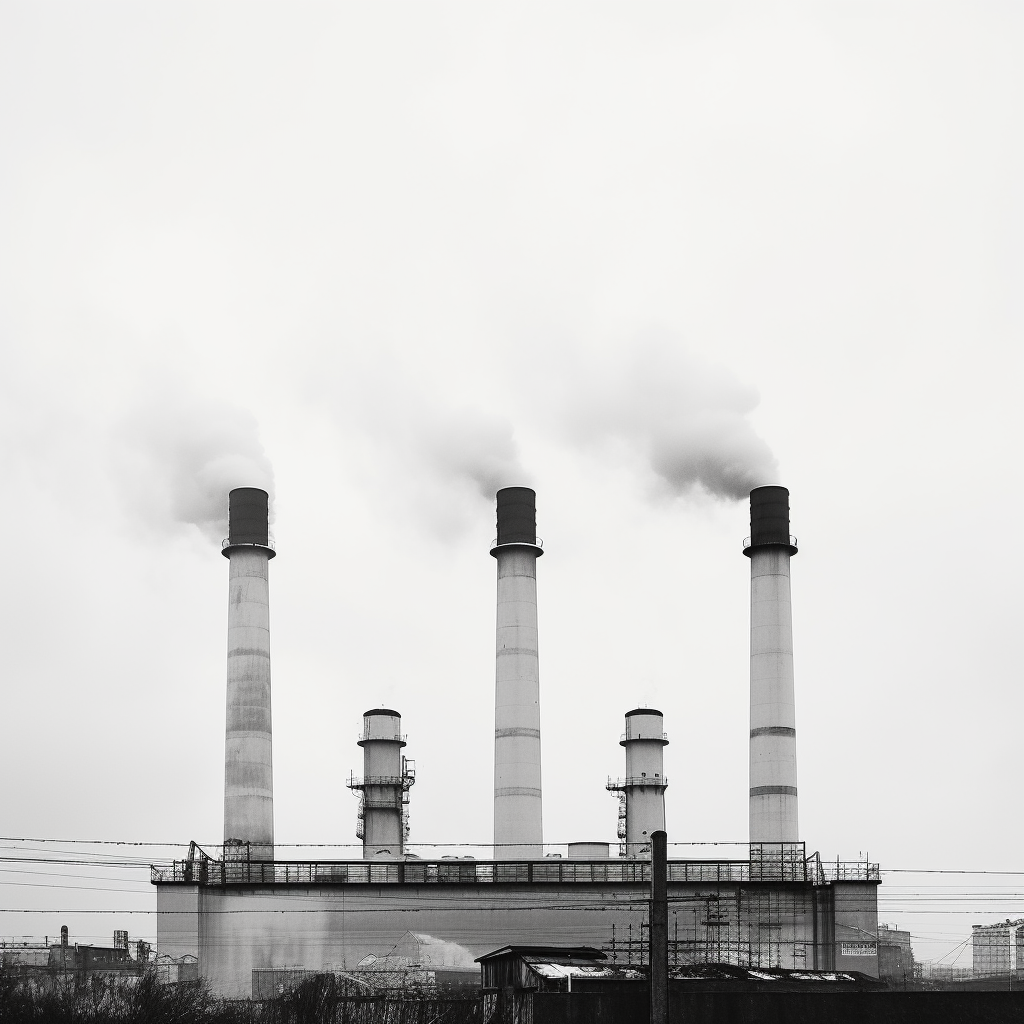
{"x": 659, "y": 928}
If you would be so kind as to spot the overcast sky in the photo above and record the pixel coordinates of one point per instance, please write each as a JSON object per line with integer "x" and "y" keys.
{"x": 385, "y": 258}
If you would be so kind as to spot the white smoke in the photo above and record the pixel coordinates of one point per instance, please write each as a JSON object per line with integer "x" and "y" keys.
{"x": 447, "y": 462}
{"x": 685, "y": 417}
{"x": 180, "y": 454}
{"x": 471, "y": 446}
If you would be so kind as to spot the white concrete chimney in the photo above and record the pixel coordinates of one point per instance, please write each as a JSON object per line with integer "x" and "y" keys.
{"x": 518, "y": 824}
{"x": 773, "y": 791}
{"x": 248, "y": 755}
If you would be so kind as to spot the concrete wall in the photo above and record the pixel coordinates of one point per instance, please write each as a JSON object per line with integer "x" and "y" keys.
{"x": 336, "y": 926}
{"x": 856, "y": 924}
{"x": 696, "y": 1007}
{"x": 177, "y": 920}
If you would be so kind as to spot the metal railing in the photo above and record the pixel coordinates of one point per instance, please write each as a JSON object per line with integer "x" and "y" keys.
{"x": 850, "y": 871}
{"x": 467, "y": 872}
{"x": 355, "y": 782}
{"x": 659, "y": 736}
{"x": 636, "y": 780}
{"x": 228, "y": 543}
{"x": 396, "y": 738}
{"x": 778, "y": 862}
{"x": 792, "y": 542}
{"x": 538, "y": 543}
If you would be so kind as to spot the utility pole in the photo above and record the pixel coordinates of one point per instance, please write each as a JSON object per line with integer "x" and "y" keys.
{"x": 659, "y": 928}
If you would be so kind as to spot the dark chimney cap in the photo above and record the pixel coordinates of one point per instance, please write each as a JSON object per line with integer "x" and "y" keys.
{"x": 381, "y": 711}
{"x": 248, "y": 518}
{"x": 769, "y": 519}
{"x": 644, "y": 711}
{"x": 517, "y": 516}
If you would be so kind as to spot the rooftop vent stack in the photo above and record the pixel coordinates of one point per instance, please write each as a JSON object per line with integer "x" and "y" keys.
{"x": 642, "y": 792}
{"x": 518, "y": 827}
{"x": 248, "y": 762}
{"x": 773, "y": 792}
{"x": 382, "y": 820}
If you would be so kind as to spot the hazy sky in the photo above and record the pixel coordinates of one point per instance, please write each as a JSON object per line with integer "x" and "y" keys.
{"x": 385, "y": 258}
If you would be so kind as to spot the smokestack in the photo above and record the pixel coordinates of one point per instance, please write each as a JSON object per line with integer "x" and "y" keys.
{"x": 384, "y": 788}
{"x": 642, "y": 791}
{"x": 248, "y": 762}
{"x": 773, "y": 795}
{"x": 518, "y": 826}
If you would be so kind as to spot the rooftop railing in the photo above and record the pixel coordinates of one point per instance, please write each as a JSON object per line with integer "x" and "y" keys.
{"x": 445, "y": 872}
{"x": 469, "y": 872}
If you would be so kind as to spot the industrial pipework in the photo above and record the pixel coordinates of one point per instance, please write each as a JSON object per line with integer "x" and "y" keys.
{"x": 518, "y": 825}
{"x": 248, "y": 751}
{"x": 382, "y": 821}
{"x": 773, "y": 791}
{"x": 642, "y": 792}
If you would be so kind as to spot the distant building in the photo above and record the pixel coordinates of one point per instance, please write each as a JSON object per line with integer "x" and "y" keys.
{"x": 895, "y": 956}
{"x": 998, "y": 948}
{"x": 43, "y": 963}
{"x": 171, "y": 971}
{"x": 24, "y": 954}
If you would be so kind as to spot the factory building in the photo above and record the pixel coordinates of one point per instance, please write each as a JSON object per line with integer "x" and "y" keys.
{"x": 895, "y": 956}
{"x": 245, "y": 911}
{"x": 998, "y": 949}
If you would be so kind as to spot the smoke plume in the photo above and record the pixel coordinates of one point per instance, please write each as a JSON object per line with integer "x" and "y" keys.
{"x": 685, "y": 417}
{"x": 181, "y": 454}
{"x": 474, "y": 447}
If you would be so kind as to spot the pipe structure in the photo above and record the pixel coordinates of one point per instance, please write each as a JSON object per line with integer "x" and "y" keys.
{"x": 658, "y": 934}
{"x": 518, "y": 824}
{"x": 642, "y": 791}
{"x": 773, "y": 790}
{"x": 248, "y": 752}
{"x": 384, "y": 788}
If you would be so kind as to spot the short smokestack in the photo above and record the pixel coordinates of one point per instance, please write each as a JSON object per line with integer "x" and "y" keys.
{"x": 248, "y": 761}
{"x": 518, "y": 822}
{"x": 773, "y": 791}
{"x": 642, "y": 792}
{"x": 382, "y": 820}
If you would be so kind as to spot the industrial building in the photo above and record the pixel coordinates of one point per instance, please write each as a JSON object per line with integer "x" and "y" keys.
{"x": 245, "y": 911}
{"x": 895, "y": 956}
{"x": 46, "y": 964}
{"x": 998, "y": 949}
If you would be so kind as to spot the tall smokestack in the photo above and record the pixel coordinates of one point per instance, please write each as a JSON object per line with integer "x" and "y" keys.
{"x": 773, "y": 796}
{"x": 248, "y": 762}
{"x": 518, "y": 826}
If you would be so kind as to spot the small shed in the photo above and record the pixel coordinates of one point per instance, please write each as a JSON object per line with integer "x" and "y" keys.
{"x": 512, "y": 975}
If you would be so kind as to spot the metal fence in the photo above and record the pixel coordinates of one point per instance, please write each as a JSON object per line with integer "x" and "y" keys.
{"x": 787, "y": 865}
